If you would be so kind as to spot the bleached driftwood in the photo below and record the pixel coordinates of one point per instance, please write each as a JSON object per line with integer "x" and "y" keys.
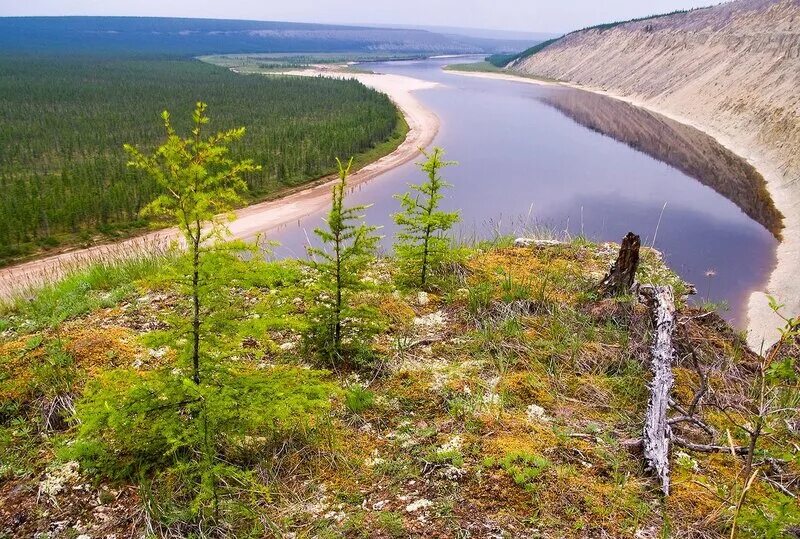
{"x": 657, "y": 432}
{"x": 620, "y": 277}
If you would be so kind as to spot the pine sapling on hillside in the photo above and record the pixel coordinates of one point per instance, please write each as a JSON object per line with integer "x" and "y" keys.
{"x": 422, "y": 240}
{"x": 349, "y": 246}
{"x": 201, "y": 182}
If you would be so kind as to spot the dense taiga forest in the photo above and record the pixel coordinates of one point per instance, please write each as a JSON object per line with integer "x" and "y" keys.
{"x": 63, "y": 121}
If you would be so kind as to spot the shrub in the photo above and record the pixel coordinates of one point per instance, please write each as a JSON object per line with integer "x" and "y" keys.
{"x": 162, "y": 428}
{"x": 340, "y": 325}
{"x": 359, "y": 399}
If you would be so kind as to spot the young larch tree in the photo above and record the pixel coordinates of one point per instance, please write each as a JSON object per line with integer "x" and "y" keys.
{"x": 349, "y": 246}
{"x": 422, "y": 240}
{"x": 201, "y": 185}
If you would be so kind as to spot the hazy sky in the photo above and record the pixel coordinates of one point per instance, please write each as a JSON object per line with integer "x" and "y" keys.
{"x": 525, "y": 15}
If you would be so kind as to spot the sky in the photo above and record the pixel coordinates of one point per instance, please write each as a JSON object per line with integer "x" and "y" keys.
{"x": 515, "y": 15}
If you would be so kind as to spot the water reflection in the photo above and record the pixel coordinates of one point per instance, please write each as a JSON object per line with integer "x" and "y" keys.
{"x": 687, "y": 149}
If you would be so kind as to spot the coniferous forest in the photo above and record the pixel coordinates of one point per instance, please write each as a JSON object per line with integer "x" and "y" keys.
{"x": 64, "y": 119}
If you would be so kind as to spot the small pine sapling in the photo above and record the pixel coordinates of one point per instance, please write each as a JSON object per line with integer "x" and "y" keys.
{"x": 349, "y": 247}
{"x": 200, "y": 183}
{"x": 422, "y": 241}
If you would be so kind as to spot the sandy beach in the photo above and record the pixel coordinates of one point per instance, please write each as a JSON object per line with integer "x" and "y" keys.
{"x": 762, "y": 321}
{"x": 263, "y": 217}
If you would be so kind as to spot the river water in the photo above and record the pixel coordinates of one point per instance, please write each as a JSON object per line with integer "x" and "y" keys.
{"x": 533, "y": 156}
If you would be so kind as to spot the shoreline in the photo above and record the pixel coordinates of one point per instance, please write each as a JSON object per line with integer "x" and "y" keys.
{"x": 762, "y": 322}
{"x": 423, "y": 125}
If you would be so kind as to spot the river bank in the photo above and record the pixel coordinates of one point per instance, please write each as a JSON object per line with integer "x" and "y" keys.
{"x": 762, "y": 321}
{"x": 257, "y": 218}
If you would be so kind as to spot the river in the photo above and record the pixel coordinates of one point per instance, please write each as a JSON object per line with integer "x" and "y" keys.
{"x": 544, "y": 157}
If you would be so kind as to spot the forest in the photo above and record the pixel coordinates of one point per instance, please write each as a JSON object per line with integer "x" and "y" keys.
{"x": 64, "y": 119}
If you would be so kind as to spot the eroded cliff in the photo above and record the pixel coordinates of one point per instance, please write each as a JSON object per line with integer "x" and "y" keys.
{"x": 733, "y": 71}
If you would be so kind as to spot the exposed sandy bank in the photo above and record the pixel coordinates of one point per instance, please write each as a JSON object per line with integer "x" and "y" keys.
{"x": 423, "y": 126}
{"x": 784, "y": 283}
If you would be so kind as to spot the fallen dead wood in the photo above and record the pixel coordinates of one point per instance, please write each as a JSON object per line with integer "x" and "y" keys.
{"x": 657, "y": 432}
{"x": 709, "y": 448}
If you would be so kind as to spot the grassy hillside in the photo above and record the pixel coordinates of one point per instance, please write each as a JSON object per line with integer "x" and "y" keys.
{"x": 64, "y": 119}
{"x": 503, "y": 401}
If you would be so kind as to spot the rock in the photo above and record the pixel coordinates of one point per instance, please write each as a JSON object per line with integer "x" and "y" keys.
{"x": 433, "y": 320}
{"x": 422, "y": 299}
{"x": 531, "y": 242}
{"x": 414, "y": 506}
{"x": 534, "y": 412}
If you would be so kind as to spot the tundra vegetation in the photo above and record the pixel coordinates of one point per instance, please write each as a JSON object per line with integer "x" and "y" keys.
{"x": 506, "y": 398}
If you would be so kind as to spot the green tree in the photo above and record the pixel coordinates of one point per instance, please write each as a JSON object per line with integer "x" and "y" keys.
{"x": 422, "y": 240}
{"x": 201, "y": 183}
{"x": 349, "y": 246}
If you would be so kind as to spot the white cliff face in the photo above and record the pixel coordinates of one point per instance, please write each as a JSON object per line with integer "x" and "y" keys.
{"x": 733, "y": 71}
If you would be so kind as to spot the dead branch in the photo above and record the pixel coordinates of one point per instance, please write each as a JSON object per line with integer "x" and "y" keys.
{"x": 657, "y": 430}
{"x": 709, "y": 448}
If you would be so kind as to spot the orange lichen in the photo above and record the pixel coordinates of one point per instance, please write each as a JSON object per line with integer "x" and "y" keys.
{"x": 527, "y": 387}
{"x": 398, "y": 313}
{"x": 16, "y": 361}
{"x": 686, "y": 382}
{"x": 535, "y": 438}
{"x": 96, "y": 349}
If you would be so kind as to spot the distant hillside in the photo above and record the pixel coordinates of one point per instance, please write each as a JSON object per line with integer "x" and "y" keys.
{"x": 732, "y": 70}
{"x": 208, "y": 36}
{"x": 493, "y": 41}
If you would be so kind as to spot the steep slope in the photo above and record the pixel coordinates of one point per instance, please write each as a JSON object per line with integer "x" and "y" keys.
{"x": 504, "y": 401}
{"x": 733, "y": 71}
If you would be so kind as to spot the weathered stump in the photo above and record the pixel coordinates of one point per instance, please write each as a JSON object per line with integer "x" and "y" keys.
{"x": 657, "y": 431}
{"x": 620, "y": 277}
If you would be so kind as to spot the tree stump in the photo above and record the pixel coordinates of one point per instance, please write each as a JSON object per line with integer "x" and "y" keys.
{"x": 620, "y": 277}
{"x": 657, "y": 432}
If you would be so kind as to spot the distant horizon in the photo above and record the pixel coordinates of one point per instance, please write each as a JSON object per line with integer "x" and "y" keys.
{"x": 503, "y": 16}
{"x": 399, "y": 26}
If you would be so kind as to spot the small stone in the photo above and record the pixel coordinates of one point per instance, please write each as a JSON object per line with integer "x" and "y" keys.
{"x": 536, "y": 413}
{"x": 422, "y": 503}
{"x": 531, "y": 242}
{"x": 422, "y": 299}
